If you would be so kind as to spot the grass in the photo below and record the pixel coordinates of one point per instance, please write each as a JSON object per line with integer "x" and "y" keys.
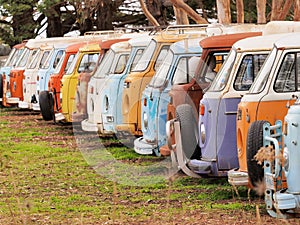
{"x": 45, "y": 178}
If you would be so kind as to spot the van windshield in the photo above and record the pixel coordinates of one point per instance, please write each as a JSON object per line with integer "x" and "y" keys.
{"x": 60, "y": 63}
{"x": 105, "y": 64}
{"x": 24, "y": 57}
{"x": 160, "y": 77}
{"x": 73, "y": 64}
{"x": 262, "y": 77}
{"x": 222, "y": 77}
{"x": 12, "y": 55}
{"x": 146, "y": 57}
{"x": 35, "y": 60}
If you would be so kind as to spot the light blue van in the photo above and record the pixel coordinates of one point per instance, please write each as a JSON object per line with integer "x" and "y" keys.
{"x": 180, "y": 62}
{"x": 104, "y": 96}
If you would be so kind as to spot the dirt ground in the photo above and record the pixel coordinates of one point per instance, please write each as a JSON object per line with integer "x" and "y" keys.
{"x": 196, "y": 216}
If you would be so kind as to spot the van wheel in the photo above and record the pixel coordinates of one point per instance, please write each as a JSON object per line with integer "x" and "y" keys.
{"x": 1, "y": 86}
{"x": 254, "y": 143}
{"x": 189, "y": 130}
{"x": 47, "y": 105}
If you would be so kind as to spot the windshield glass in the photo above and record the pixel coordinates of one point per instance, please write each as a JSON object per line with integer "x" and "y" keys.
{"x": 262, "y": 77}
{"x": 159, "y": 78}
{"x": 105, "y": 64}
{"x": 13, "y": 53}
{"x": 60, "y": 63}
{"x": 121, "y": 64}
{"x": 88, "y": 62}
{"x": 24, "y": 57}
{"x": 35, "y": 60}
{"x": 146, "y": 57}
{"x": 44, "y": 63}
{"x": 137, "y": 57}
{"x": 73, "y": 64}
{"x": 222, "y": 77}
{"x": 185, "y": 70}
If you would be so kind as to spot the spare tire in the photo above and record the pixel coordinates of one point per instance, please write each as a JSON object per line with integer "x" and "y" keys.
{"x": 1, "y": 86}
{"x": 189, "y": 131}
{"x": 46, "y": 102}
{"x": 254, "y": 143}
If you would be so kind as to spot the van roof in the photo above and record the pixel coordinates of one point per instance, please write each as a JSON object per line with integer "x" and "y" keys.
{"x": 258, "y": 43}
{"x": 108, "y": 43}
{"x": 190, "y": 45}
{"x": 74, "y": 47}
{"x": 121, "y": 47}
{"x": 140, "y": 41}
{"x": 274, "y": 27}
{"x": 226, "y": 40}
{"x": 290, "y": 41}
{"x": 91, "y": 46}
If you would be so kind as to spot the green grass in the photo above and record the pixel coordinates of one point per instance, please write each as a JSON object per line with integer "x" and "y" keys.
{"x": 46, "y": 179}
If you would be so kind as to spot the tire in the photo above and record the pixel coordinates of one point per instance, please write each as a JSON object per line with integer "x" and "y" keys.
{"x": 46, "y": 102}
{"x": 1, "y": 86}
{"x": 189, "y": 131}
{"x": 254, "y": 143}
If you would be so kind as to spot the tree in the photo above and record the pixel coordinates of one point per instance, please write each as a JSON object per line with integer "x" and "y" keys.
{"x": 22, "y": 25}
{"x": 224, "y": 14}
{"x": 261, "y": 11}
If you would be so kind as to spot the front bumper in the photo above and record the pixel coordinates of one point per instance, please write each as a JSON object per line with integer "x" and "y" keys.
{"x": 86, "y": 125}
{"x": 23, "y": 105}
{"x": 36, "y": 107}
{"x": 237, "y": 178}
{"x": 144, "y": 148}
{"x": 59, "y": 117}
{"x": 13, "y": 100}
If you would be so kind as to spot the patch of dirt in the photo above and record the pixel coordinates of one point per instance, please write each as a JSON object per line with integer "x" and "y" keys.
{"x": 63, "y": 134}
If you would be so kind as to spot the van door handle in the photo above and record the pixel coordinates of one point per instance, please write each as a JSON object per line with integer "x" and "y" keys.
{"x": 231, "y": 113}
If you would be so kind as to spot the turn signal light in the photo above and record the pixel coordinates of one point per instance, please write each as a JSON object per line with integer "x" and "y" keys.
{"x": 202, "y": 110}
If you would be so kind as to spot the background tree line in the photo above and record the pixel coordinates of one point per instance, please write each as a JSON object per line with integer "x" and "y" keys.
{"x": 24, "y": 19}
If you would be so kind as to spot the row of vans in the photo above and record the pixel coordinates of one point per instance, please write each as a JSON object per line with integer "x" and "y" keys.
{"x": 253, "y": 89}
{"x": 199, "y": 93}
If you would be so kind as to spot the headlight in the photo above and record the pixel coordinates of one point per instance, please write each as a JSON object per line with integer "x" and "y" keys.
{"x": 202, "y": 133}
{"x": 145, "y": 119}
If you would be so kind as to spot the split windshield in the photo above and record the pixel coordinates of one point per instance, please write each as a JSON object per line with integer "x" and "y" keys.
{"x": 105, "y": 64}
{"x": 146, "y": 57}
{"x": 222, "y": 77}
{"x": 262, "y": 77}
{"x": 160, "y": 77}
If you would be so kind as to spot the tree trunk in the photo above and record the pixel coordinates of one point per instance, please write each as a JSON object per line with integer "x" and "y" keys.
{"x": 223, "y": 7}
{"x": 285, "y": 9}
{"x": 297, "y": 10}
{"x": 240, "y": 11}
{"x": 261, "y": 11}
{"x": 151, "y": 19}
{"x": 276, "y": 6}
{"x": 181, "y": 16}
{"x": 54, "y": 28}
{"x": 179, "y": 4}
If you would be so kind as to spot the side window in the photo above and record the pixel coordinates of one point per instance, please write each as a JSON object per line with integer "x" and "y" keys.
{"x": 120, "y": 67}
{"x": 57, "y": 58}
{"x": 286, "y": 77}
{"x": 44, "y": 58}
{"x": 185, "y": 70}
{"x": 161, "y": 56}
{"x": 247, "y": 71}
